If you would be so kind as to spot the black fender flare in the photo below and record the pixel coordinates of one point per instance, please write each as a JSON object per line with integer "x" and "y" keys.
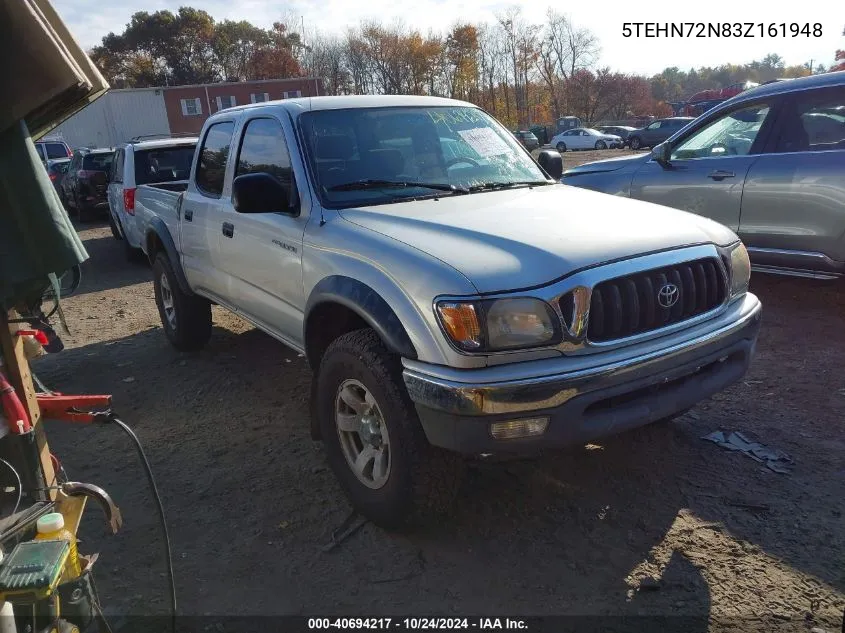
{"x": 368, "y": 304}
{"x": 158, "y": 228}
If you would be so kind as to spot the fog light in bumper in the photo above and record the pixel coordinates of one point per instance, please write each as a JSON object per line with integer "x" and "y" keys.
{"x": 513, "y": 429}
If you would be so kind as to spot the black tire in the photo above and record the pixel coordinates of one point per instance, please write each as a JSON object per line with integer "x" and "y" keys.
{"x": 422, "y": 479}
{"x": 601, "y": 145}
{"x": 85, "y": 214}
{"x": 190, "y": 327}
{"x": 635, "y": 142}
{"x": 115, "y": 232}
{"x": 133, "y": 255}
{"x": 561, "y": 147}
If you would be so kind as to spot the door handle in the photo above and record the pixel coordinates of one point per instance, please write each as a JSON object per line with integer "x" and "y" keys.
{"x": 228, "y": 229}
{"x": 189, "y": 215}
{"x": 720, "y": 174}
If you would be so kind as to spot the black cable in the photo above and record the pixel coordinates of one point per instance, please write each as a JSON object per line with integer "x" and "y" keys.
{"x": 168, "y": 554}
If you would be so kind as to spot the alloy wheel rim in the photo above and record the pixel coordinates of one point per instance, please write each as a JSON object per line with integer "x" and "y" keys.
{"x": 167, "y": 301}
{"x": 363, "y": 435}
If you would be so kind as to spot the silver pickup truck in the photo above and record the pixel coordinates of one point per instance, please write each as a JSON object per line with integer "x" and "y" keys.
{"x": 452, "y": 298}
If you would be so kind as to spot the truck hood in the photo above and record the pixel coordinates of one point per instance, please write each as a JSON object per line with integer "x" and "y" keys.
{"x": 522, "y": 238}
{"x": 609, "y": 164}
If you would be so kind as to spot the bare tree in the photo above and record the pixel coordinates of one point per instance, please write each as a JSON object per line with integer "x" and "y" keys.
{"x": 489, "y": 57}
{"x": 324, "y": 56}
{"x": 358, "y": 63}
{"x": 563, "y": 50}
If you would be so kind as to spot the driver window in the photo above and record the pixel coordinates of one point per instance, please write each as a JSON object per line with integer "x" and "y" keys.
{"x": 654, "y": 126}
{"x": 730, "y": 135}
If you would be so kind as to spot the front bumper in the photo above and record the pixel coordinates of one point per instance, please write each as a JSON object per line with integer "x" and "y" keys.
{"x": 587, "y": 404}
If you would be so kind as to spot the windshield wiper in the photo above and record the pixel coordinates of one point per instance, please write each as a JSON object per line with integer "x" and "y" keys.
{"x": 370, "y": 183}
{"x": 508, "y": 185}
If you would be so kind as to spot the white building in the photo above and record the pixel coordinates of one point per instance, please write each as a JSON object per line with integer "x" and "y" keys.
{"x": 115, "y": 118}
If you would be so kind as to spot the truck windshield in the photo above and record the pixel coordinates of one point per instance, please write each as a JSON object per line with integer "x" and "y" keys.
{"x": 163, "y": 164}
{"x": 355, "y": 154}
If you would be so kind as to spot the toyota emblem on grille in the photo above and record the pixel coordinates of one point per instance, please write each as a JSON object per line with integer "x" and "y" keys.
{"x": 668, "y": 295}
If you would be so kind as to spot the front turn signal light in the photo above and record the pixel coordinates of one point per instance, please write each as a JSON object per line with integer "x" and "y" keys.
{"x": 461, "y": 323}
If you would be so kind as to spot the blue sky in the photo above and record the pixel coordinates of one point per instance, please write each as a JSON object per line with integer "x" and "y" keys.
{"x": 90, "y": 20}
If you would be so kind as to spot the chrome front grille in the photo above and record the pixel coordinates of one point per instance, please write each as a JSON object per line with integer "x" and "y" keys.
{"x": 652, "y": 299}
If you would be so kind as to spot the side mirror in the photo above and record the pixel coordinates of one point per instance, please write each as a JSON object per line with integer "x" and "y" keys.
{"x": 551, "y": 162}
{"x": 661, "y": 153}
{"x": 259, "y": 192}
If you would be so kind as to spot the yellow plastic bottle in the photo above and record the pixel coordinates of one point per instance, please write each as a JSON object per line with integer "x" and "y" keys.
{"x": 52, "y": 527}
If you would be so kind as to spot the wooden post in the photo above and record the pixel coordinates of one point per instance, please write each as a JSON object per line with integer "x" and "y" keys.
{"x": 17, "y": 369}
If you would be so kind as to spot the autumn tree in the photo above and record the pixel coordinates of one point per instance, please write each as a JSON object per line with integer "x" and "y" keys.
{"x": 276, "y": 61}
{"x": 462, "y": 63}
{"x": 166, "y": 48}
{"x": 839, "y": 58}
{"x": 235, "y": 46}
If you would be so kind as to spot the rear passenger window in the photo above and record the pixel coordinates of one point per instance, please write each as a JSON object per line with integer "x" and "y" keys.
{"x": 117, "y": 166}
{"x": 263, "y": 149}
{"x": 213, "y": 157}
{"x": 815, "y": 122}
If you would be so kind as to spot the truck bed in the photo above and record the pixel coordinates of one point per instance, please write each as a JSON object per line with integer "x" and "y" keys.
{"x": 160, "y": 200}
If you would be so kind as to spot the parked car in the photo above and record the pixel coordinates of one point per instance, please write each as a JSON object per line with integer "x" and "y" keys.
{"x": 528, "y": 139}
{"x": 584, "y": 138}
{"x": 437, "y": 326}
{"x": 83, "y": 187}
{"x": 657, "y": 131}
{"x": 56, "y": 170}
{"x": 622, "y": 131}
{"x": 165, "y": 162}
{"x": 768, "y": 163}
{"x": 49, "y": 149}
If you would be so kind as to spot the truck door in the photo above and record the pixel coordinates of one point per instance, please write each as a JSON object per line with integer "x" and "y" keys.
{"x": 262, "y": 252}
{"x": 200, "y": 224}
{"x": 707, "y": 166}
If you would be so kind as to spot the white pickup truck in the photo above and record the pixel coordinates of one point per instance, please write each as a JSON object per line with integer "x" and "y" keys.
{"x": 451, "y": 296}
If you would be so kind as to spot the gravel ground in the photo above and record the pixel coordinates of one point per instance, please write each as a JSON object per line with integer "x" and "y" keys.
{"x": 653, "y": 522}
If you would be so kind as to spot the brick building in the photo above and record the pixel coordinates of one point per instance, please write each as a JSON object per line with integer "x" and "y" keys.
{"x": 189, "y": 106}
{"x": 120, "y": 115}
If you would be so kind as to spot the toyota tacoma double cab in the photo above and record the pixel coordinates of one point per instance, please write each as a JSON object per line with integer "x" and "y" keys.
{"x": 451, "y": 296}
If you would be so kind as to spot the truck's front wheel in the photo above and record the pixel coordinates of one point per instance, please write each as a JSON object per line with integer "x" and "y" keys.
{"x": 374, "y": 441}
{"x": 186, "y": 319}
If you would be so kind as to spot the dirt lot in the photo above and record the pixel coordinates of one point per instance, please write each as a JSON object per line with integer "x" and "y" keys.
{"x": 250, "y": 500}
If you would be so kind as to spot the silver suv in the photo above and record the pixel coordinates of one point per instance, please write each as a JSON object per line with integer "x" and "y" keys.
{"x": 452, "y": 298}
{"x": 144, "y": 160}
{"x": 769, "y": 163}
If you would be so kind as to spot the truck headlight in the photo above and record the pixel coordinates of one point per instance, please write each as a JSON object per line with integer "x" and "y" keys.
{"x": 740, "y": 269}
{"x": 499, "y": 324}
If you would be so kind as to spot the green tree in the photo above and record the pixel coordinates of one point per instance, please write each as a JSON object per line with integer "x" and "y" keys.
{"x": 235, "y": 45}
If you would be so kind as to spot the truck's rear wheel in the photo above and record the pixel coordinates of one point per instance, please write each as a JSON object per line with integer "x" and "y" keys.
{"x": 186, "y": 319}
{"x": 374, "y": 442}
